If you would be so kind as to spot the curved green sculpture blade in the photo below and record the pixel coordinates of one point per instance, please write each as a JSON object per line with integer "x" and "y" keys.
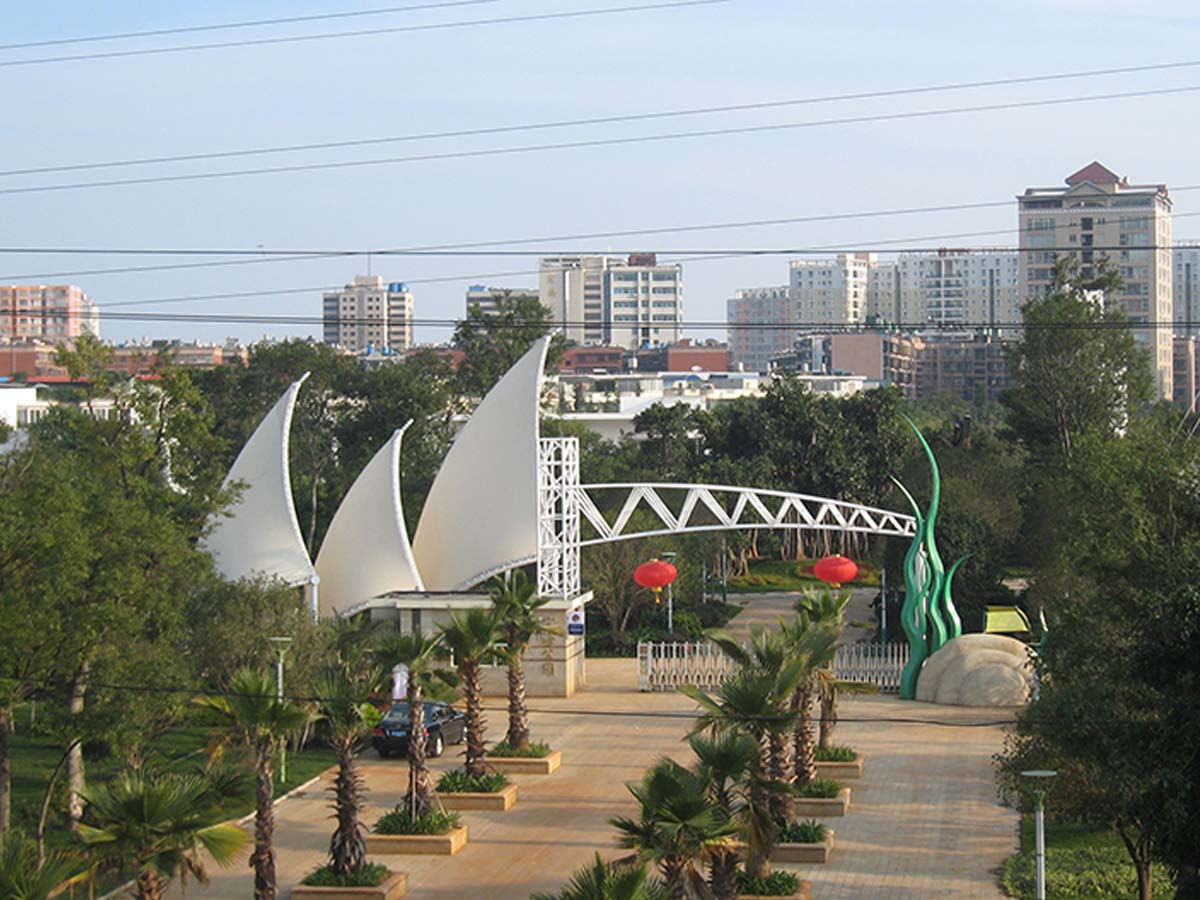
{"x": 912, "y": 614}
{"x": 939, "y": 633}
{"x": 953, "y": 622}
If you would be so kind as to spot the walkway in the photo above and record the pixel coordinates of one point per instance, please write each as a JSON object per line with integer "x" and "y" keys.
{"x": 766, "y": 609}
{"x": 923, "y": 824}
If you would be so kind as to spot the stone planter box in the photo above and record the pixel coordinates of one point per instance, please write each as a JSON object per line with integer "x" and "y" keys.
{"x": 840, "y": 771}
{"x": 393, "y": 888}
{"x": 522, "y": 765}
{"x": 805, "y": 893}
{"x": 500, "y": 801}
{"x": 816, "y": 807}
{"x": 804, "y": 854}
{"x": 418, "y": 844}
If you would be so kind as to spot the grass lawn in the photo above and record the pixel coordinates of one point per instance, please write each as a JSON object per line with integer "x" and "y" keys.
{"x": 1081, "y": 864}
{"x": 768, "y": 575}
{"x": 34, "y": 758}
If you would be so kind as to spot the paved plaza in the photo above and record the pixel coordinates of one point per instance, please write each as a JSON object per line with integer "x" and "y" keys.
{"x": 924, "y": 822}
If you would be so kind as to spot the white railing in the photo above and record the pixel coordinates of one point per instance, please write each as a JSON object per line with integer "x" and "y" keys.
{"x": 665, "y": 665}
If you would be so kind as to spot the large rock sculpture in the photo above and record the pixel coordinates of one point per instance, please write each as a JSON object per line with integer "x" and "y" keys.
{"x": 978, "y": 670}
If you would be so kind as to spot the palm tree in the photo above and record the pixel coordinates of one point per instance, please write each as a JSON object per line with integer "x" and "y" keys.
{"x": 24, "y": 877}
{"x": 516, "y": 603}
{"x": 420, "y": 655}
{"x": 252, "y": 710}
{"x": 753, "y": 702}
{"x": 812, "y": 648}
{"x": 157, "y": 825}
{"x": 471, "y": 636}
{"x": 679, "y": 828}
{"x": 828, "y": 609}
{"x": 726, "y": 765}
{"x": 609, "y": 881}
{"x": 348, "y": 718}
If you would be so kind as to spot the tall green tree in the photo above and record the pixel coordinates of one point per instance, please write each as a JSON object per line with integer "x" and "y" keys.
{"x": 495, "y": 339}
{"x": 517, "y": 606}
{"x": 471, "y": 637}
{"x": 252, "y": 710}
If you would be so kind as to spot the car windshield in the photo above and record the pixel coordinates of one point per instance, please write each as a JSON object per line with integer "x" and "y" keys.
{"x": 398, "y": 714}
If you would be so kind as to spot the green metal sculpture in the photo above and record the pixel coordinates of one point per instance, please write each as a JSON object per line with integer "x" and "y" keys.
{"x": 929, "y": 617}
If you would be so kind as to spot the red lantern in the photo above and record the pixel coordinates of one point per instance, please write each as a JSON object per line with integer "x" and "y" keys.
{"x": 655, "y": 575}
{"x": 836, "y": 570}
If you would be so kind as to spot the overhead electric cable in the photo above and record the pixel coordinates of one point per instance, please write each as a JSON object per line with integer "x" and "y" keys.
{"x": 596, "y": 142}
{"x": 252, "y": 23}
{"x": 397, "y": 29}
{"x": 597, "y": 120}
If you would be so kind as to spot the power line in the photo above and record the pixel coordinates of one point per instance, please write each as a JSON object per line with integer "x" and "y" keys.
{"x": 594, "y": 142}
{"x": 254, "y": 23}
{"x": 397, "y": 29}
{"x": 598, "y": 120}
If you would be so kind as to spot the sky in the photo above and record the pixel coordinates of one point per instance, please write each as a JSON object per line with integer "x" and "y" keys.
{"x": 638, "y": 61}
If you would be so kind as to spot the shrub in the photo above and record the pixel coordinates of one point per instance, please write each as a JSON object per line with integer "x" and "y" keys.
{"x": 400, "y": 821}
{"x": 533, "y": 751}
{"x": 459, "y": 782}
{"x": 806, "y": 832}
{"x": 688, "y": 623}
{"x": 370, "y": 875}
{"x": 778, "y": 884}
{"x": 821, "y": 788}
{"x": 835, "y": 754}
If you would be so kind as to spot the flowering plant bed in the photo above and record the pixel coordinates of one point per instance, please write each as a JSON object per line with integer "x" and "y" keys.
{"x": 375, "y": 882}
{"x": 436, "y": 833}
{"x": 536, "y": 759}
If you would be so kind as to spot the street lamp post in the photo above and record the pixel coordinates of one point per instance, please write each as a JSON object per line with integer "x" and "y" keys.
{"x": 670, "y": 557}
{"x": 281, "y": 645}
{"x": 1039, "y": 793}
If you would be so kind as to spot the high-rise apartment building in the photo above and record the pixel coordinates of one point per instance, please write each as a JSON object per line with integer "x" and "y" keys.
{"x": 53, "y": 313}
{"x": 1099, "y": 216}
{"x": 974, "y": 288}
{"x": 761, "y": 325}
{"x": 627, "y": 302}
{"x": 369, "y": 313}
{"x": 1185, "y": 285}
{"x": 486, "y": 298}
{"x": 830, "y": 292}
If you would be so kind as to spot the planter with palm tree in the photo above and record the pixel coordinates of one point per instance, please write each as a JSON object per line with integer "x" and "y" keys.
{"x": 435, "y": 833}
{"x": 727, "y": 763}
{"x": 491, "y": 791}
{"x": 516, "y": 605}
{"x": 252, "y": 710}
{"x": 374, "y": 882}
{"x": 610, "y": 881}
{"x": 421, "y": 657}
{"x": 157, "y": 826}
{"x": 679, "y": 828}
{"x": 838, "y": 762}
{"x": 812, "y": 646}
{"x": 803, "y": 843}
{"x": 822, "y": 797}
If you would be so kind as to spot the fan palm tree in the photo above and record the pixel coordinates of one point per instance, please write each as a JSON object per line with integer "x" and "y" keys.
{"x": 609, "y": 881}
{"x": 420, "y": 655}
{"x": 679, "y": 828}
{"x": 726, "y": 764}
{"x": 157, "y": 825}
{"x": 812, "y": 648}
{"x": 23, "y": 877}
{"x": 828, "y": 608}
{"x": 752, "y": 702}
{"x": 471, "y": 636}
{"x": 253, "y": 711}
{"x": 516, "y": 603}
{"x": 348, "y": 718}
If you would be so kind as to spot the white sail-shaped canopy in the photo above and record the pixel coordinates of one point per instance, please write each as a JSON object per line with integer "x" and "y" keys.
{"x": 259, "y": 534}
{"x": 481, "y": 514}
{"x": 366, "y": 552}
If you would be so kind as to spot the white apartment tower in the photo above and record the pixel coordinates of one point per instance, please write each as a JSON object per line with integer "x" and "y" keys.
{"x": 831, "y": 292}
{"x": 1186, "y": 287}
{"x": 760, "y": 325}
{"x": 976, "y": 289}
{"x": 627, "y": 302}
{"x": 1100, "y": 216}
{"x": 369, "y": 313}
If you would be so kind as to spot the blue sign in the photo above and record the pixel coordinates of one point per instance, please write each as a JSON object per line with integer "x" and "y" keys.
{"x": 575, "y": 622}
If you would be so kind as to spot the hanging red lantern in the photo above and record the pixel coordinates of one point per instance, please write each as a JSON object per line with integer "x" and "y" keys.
{"x": 655, "y": 575}
{"x": 836, "y": 570}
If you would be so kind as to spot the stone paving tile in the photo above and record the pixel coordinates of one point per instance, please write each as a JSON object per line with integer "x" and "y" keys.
{"x": 923, "y": 824}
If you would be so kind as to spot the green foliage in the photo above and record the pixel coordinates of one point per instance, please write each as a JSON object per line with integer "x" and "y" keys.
{"x": 535, "y": 750}
{"x": 835, "y": 754}
{"x": 494, "y": 340}
{"x": 808, "y": 831}
{"x": 609, "y": 881}
{"x": 401, "y": 821}
{"x": 21, "y": 876}
{"x": 1082, "y": 863}
{"x": 778, "y": 884}
{"x": 370, "y": 875}
{"x": 821, "y": 788}
{"x": 459, "y": 782}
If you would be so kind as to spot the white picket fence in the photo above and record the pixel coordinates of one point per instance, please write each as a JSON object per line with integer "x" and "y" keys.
{"x": 665, "y": 665}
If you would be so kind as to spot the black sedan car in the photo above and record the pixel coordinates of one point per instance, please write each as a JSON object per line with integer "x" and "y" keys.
{"x": 443, "y": 725}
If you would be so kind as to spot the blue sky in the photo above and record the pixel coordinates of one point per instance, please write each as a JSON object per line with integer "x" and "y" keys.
{"x": 388, "y": 85}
